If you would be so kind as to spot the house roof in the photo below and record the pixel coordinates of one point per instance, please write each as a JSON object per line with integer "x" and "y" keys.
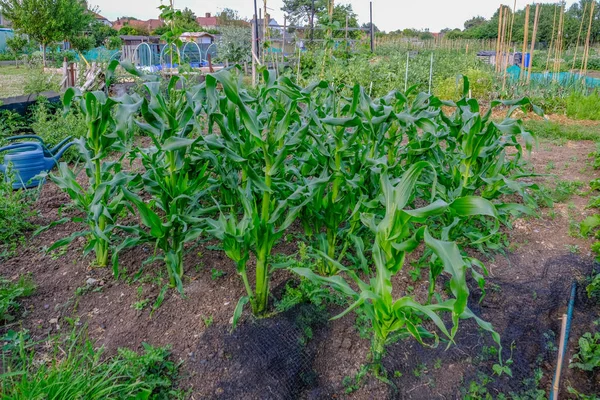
{"x": 149, "y": 25}
{"x": 197, "y": 34}
{"x": 100, "y": 17}
{"x": 207, "y": 21}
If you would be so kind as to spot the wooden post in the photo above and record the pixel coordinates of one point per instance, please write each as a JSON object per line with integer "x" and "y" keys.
{"x": 533, "y": 37}
{"x": 372, "y": 30}
{"x": 283, "y": 39}
{"x": 65, "y": 82}
{"x": 254, "y": 43}
{"x": 525, "y": 42}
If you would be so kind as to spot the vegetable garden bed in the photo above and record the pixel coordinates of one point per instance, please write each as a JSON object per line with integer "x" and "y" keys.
{"x": 245, "y": 219}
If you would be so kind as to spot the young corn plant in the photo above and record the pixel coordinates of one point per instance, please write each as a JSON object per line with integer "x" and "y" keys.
{"x": 109, "y": 123}
{"x": 399, "y": 232}
{"x": 175, "y": 177}
{"x": 255, "y": 136}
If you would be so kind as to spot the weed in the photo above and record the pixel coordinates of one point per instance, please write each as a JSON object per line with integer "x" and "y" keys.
{"x": 216, "y": 274}
{"x": 208, "y": 321}
{"x": 10, "y": 293}
{"x": 573, "y": 249}
{"x": 588, "y": 357}
{"x": 550, "y": 166}
{"x": 438, "y": 363}
{"x": 140, "y": 305}
{"x": 15, "y": 213}
{"x": 353, "y": 383}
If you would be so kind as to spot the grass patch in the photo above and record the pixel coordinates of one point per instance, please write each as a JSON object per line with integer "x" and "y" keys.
{"x": 15, "y": 212}
{"x": 553, "y": 130}
{"x": 10, "y": 293}
{"x": 25, "y": 80}
{"x": 74, "y": 369}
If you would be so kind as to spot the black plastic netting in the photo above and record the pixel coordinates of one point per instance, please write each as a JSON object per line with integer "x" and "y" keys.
{"x": 266, "y": 359}
{"x": 274, "y": 358}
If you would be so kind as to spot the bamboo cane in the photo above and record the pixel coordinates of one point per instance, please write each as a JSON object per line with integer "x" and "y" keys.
{"x": 533, "y": 37}
{"x": 587, "y": 41}
{"x": 512, "y": 24}
{"x": 500, "y": 13}
{"x": 552, "y": 40}
{"x": 579, "y": 37}
{"x": 525, "y": 42}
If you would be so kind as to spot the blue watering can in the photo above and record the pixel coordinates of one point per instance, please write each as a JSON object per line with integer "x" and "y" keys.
{"x": 28, "y": 160}
{"x": 47, "y": 151}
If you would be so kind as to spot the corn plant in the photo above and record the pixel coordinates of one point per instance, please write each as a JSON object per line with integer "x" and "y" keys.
{"x": 254, "y": 137}
{"x": 175, "y": 176}
{"x": 109, "y": 124}
{"x": 398, "y": 232}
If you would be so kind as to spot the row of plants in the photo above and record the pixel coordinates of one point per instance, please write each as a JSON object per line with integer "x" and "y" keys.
{"x": 370, "y": 182}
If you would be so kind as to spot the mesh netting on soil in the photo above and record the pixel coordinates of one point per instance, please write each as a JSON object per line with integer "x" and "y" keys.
{"x": 275, "y": 358}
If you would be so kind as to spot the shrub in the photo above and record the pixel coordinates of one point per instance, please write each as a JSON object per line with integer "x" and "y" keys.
{"x": 38, "y": 81}
{"x": 588, "y": 357}
{"x": 482, "y": 83}
{"x": 53, "y": 126}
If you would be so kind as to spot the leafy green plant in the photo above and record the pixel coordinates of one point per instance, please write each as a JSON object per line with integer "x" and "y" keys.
{"x": 593, "y": 287}
{"x": 101, "y": 200}
{"x": 396, "y": 234}
{"x": 588, "y": 357}
{"x": 580, "y": 106}
{"x": 175, "y": 177}
{"x": 256, "y": 135}
{"x": 10, "y": 293}
{"x": 53, "y": 126}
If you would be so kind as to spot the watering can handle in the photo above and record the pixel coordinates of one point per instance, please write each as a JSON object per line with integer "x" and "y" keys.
{"x": 18, "y": 146}
{"x": 26, "y": 137}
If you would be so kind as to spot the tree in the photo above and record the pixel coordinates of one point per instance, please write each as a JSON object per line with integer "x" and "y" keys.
{"x": 368, "y": 27}
{"x": 16, "y": 45}
{"x": 300, "y": 12}
{"x": 235, "y": 43}
{"x": 101, "y": 33}
{"x": 230, "y": 17}
{"x": 47, "y": 21}
{"x": 340, "y": 12}
{"x": 475, "y": 22}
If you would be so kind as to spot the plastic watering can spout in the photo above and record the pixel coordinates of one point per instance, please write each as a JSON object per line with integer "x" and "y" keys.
{"x": 52, "y": 161}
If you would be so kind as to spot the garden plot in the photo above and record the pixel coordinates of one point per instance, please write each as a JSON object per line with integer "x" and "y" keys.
{"x": 296, "y": 203}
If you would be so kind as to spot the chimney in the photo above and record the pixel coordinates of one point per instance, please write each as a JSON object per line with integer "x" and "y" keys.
{"x": 207, "y": 15}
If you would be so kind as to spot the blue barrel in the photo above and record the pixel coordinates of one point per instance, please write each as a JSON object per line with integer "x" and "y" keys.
{"x": 527, "y": 59}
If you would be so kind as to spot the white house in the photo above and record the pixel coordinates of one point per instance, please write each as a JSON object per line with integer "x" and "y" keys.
{"x": 198, "y": 37}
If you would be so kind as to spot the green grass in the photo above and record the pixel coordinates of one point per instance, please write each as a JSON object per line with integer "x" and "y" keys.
{"x": 12, "y": 81}
{"x": 553, "y": 130}
{"x": 15, "y": 212}
{"x": 77, "y": 370}
{"x": 10, "y": 293}
{"x": 24, "y": 80}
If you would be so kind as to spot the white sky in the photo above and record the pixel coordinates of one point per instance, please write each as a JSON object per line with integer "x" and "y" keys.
{"x": 388, "y": 15}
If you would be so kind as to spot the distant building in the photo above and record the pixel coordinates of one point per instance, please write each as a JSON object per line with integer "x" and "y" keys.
{"x": 4, "y": 21}
{"x": 198, "y": 37}
{"x": 102, "y": 20}
{"x": 144, "y": 26}
{"x": 208, "y": 21}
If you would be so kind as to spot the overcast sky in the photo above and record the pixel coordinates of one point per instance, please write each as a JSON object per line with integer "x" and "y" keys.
{"x": 388, "y": 15}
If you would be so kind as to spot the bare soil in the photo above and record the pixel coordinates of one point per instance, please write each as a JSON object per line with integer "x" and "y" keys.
{"x": 527, "y": 293}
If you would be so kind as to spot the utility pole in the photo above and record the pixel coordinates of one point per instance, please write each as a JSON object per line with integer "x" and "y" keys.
{"x": 372, "y": 30}
{"x": 312, "y": 22}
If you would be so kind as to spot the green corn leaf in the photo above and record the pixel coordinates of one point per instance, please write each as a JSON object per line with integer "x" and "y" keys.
{"x": 239, "y": 308}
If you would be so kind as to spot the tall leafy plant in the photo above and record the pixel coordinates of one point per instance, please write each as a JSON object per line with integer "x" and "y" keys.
{"x": 398, "y": 232}
{"x": 175, "y": 176}
{"x": 100, "y": 200}
{"x": 255, "y": 136}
